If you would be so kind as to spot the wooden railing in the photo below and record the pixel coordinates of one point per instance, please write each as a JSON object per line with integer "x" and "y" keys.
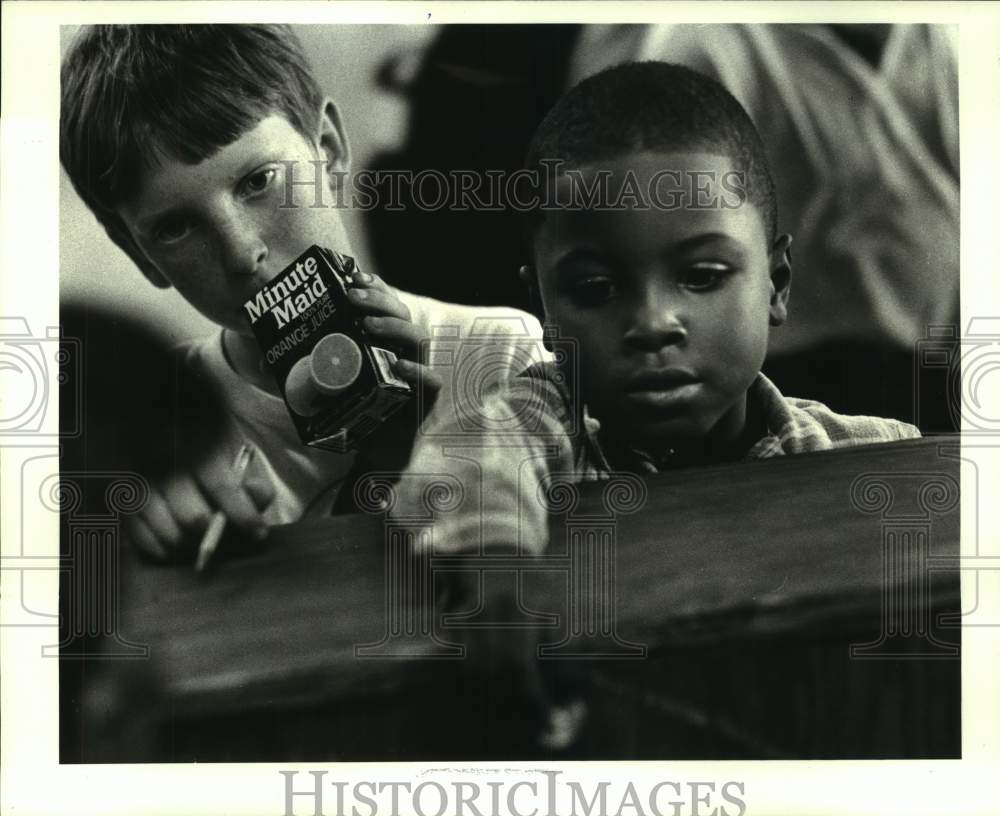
{"x": 785, "y": 608}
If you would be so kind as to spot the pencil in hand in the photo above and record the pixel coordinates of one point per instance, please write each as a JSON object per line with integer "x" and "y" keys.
{"x": 217, "y": 526}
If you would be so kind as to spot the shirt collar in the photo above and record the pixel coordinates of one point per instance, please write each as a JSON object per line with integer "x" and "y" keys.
{"x": 765, "y": 404}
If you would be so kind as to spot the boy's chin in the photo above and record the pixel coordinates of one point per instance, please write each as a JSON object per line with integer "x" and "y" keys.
{"x": 658, "y": 441}
{"x": 659, "y": 436}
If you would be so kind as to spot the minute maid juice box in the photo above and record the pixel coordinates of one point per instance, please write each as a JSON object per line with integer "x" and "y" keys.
{"x": 338, "y": 387}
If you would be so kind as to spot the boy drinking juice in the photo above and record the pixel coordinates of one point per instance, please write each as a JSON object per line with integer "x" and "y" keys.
{"x": 185, "y": 141}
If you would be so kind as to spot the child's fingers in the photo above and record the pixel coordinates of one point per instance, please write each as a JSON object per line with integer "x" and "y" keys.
{"x": 143, "y": 539}
{"x": 164, "y": 527}
{"x": 177, "y": 513}
{"x": 368, "y": 280}
{"x": 188, "y": 504}
{"x": 418, "y": 376}
{"x": 226, "y": 493}
{"x": 397, "y": 333}
{"x": 161, "y": 522}
{"x": 378, "y": 302}
{"x": 259, "y": 485}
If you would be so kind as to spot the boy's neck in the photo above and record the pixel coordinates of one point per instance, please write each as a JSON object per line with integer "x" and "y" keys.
{"x": 729, "y": 441}
{"x": 244, "y": 356}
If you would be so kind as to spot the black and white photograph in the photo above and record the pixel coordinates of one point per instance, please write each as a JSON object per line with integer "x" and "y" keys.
{"x": 592, "y": 410}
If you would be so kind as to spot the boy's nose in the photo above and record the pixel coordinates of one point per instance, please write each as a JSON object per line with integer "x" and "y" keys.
{"x": 655, "y": 323}
{"x": 244, "y": 251}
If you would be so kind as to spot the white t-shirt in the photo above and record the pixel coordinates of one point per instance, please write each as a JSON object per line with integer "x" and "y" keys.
{"x": 307, "y": 479}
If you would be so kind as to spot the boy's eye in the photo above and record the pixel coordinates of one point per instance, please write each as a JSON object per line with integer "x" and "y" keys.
{"x": 593, "y": 291}
{"x": 259, "y": 181}
{"x": 704, "y": 276}
{"x": 172, "y": 229}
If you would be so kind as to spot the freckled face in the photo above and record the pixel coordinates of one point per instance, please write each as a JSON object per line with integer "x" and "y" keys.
{"x": 217, "y": 231}
{"x": 670, "y": 307}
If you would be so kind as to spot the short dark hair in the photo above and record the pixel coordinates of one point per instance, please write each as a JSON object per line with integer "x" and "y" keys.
{"x": 654, "y": 106}
{"x": 131, "y": 93}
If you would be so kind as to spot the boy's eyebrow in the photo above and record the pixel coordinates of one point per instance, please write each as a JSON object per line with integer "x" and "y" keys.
{"x": 563, "y": 267}
{"x": 145, "y": 223}
{"x": 696, "y": 241}
{"x": 685, "y": 245}
{"x": 262, "y": 154}
{"x": 580, "y": 254}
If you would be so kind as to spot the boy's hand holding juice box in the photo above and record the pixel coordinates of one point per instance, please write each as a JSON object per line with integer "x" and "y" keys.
{"x": 338, "y": 386}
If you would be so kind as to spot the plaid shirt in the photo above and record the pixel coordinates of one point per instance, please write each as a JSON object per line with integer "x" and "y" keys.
{"x": 531, "y": 432}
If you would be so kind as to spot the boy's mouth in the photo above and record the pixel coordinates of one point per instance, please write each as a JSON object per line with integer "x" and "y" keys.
{"x": 661, "y": 388}
{"x": 659, "y": 379}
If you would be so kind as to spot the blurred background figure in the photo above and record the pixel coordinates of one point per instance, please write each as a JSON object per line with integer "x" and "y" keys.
{"x": 138, "y": 410}
{"x": 475, "y": 98}
{"x": 142, "y": 409}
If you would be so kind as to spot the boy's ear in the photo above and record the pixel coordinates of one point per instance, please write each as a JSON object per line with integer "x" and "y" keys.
{"x": 781, "y": 278}
{"x": 529, "y": 277}
{"x": 332, "y": 139}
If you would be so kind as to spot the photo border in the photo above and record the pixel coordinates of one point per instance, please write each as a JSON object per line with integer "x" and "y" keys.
{"x": 33, "y": 781}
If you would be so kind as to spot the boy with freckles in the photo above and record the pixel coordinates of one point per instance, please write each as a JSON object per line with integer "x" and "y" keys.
{"x": 196, "y": 147}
